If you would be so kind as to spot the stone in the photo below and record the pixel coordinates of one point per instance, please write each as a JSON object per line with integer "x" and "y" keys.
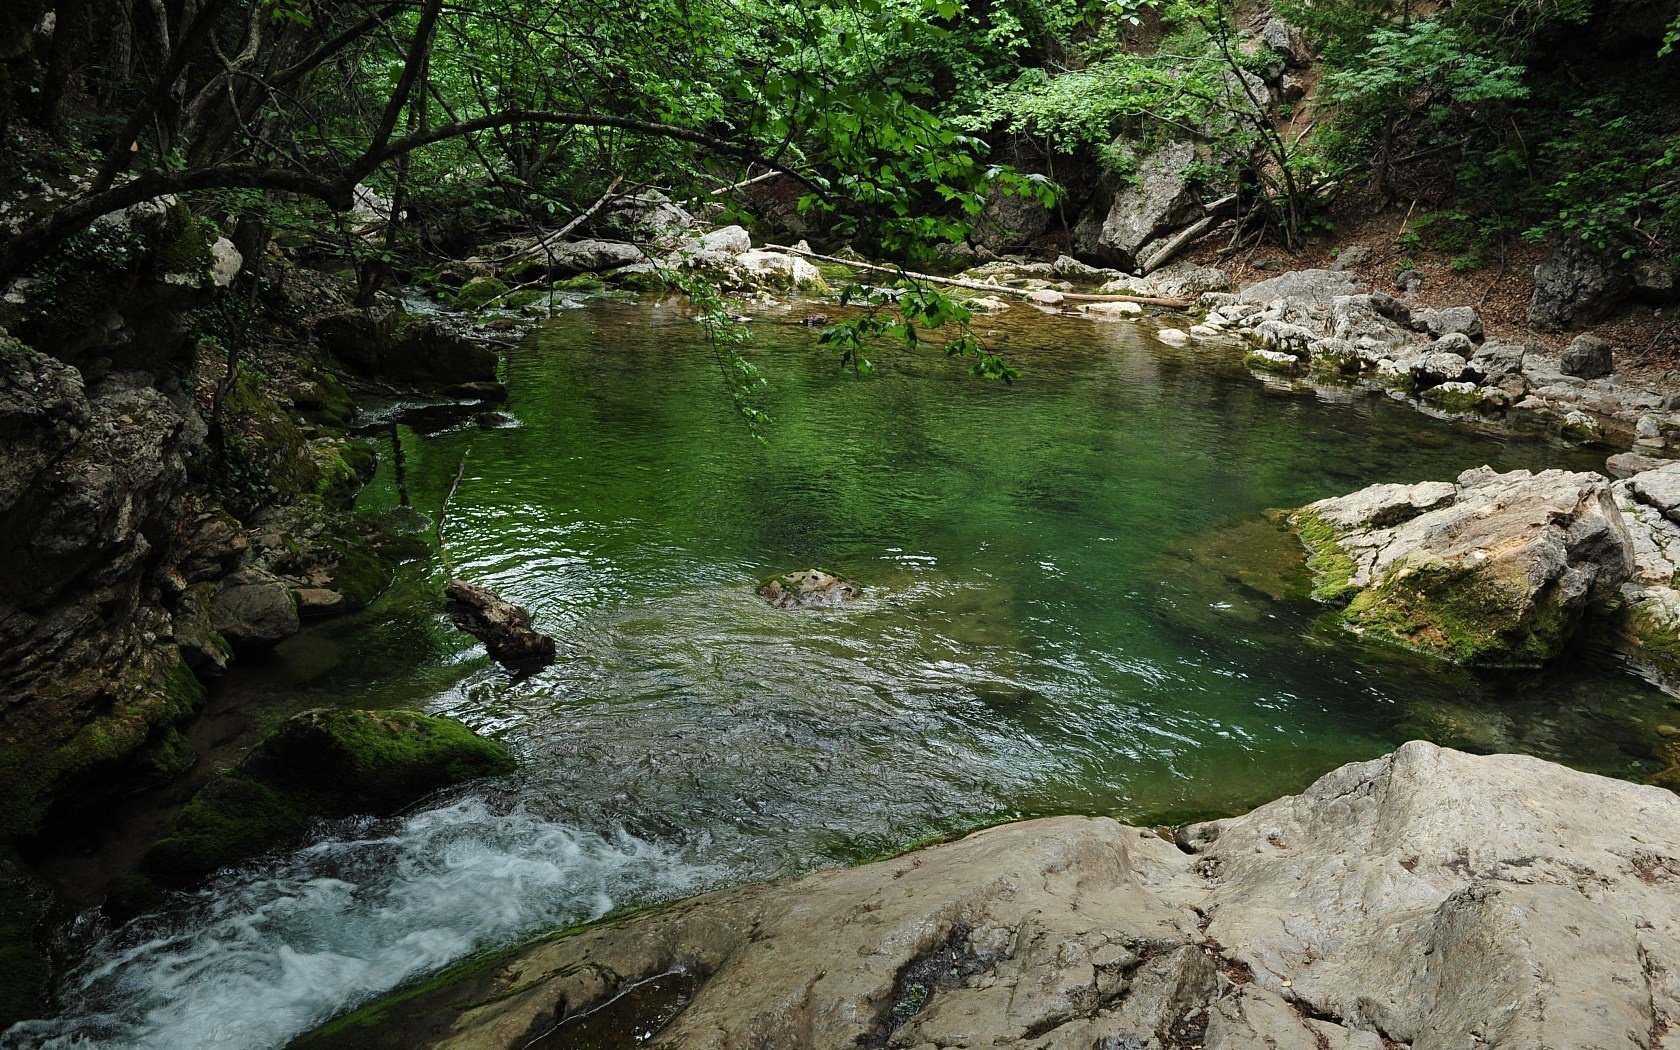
{"x": 730, "y": 239}
{"x": 1356, "y": 317}
{"x": 504, "y": 628}
{"x": 1409, "y": 281}
{"x": 1282, "y": 337}
{"x": 1496, "y": 358}
{"x": 1313, "y": 287}
{"x": 1272, "y": 361}
{"x": 1576, "y": 284}
{"x": 1162, "y": 199}
{"x": 1627, "y": 464}
{"x": 1653, "y": 281}
{"x": 648, "y": 215}
{"x": 780, "y": 271}
{"x": 1434, "y": 368}
{"x": 319, "y": 601}
{"x": 813, "y": 588}
{"x": 1503, "y": 573}
{"x": 1046, "y": 297}
{"x": 1351, "y": 258}
{"x": 1010, "y": 221}
{"x": 255, "y": 615}
{"x": 1428, "y": 898}
{"x": 1587, "y": 357}
{"x": 1454, "y": 320}
{"x": 570, "y": 258}
{"x": 1173, "y": 337}
{"x": 1115, "y": 309}
{"x": 1284, "y": 39}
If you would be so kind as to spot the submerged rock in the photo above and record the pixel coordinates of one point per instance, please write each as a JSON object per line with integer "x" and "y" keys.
{"x": 504, "y": 628}
{"x": 320, "y": 764}
{"x": 1499, "y": 569}
{"x": 809, "y": 589}
{"x": 1428, "y": 898}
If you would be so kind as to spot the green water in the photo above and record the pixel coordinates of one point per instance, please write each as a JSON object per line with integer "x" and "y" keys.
{"x": 1074, "y": 603}
{"x": 1066, "y": 586}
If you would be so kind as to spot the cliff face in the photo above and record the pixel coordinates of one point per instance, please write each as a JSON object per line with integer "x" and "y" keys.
{"x": 1429, "y": 898}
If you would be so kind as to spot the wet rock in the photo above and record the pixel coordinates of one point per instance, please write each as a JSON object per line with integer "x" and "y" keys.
{"x": 504, "y": 628}
{"x": 1173, "y": 337}
{"x": 812, "y": 588}
{"x": 319, "y": 764}
{"x": 1497, "y": 901}
{"x": 1576, "y": 285}
{"x": 255, "y": 615}
{"x": 1503, "y": 572}
{"x": 1588, "y": 357}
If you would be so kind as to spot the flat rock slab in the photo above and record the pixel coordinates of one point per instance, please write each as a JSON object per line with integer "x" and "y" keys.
{"x": 1429, "y": 898}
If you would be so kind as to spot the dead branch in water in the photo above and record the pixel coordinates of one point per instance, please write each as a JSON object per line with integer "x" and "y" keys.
{"x": 443, "y": 512}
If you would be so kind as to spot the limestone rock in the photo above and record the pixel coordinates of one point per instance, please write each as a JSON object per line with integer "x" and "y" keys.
{"x": 1162, "y": 200}
{"x": 1315, "y": 287}
{"x": 504, "y": 628}
{"x": 649, "y": 215}
{"x": 590, "y": 256}
{"x": 1428, "y": 898}
{"x": 1576, "y": 285}
{"x": 1502, "y": 572}
{"x": 1588, "y": 357}
{"x": 1454, "y": 320}
{"x": 256, "y": 614}
{"x": 809, "y": 589}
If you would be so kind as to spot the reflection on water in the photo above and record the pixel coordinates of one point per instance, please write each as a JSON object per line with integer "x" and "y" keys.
{"x": 1073, "y": 603}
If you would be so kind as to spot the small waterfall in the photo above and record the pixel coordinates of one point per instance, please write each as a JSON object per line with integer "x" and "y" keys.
{"x": 260, "y": 955}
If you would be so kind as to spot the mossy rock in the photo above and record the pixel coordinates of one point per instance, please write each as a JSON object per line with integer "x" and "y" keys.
{"x": 1331, "y": 567}
{"x": 479, "y": 292}
{"x": 1474, "y": 616}
{"x": 320, "y": 764}
{"x": 583, "y": 282}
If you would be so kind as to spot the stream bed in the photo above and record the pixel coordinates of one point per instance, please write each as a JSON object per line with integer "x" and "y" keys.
{"x": 1073, "y": 604}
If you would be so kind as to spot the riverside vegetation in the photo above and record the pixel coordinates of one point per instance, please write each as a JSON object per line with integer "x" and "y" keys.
{"x": 265, "y": 265}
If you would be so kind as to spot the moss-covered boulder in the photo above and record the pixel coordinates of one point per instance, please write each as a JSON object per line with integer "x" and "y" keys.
{"x": 809, "y": 589}
{"x": 1495, "y": 570}
{"x": 479, "y": 293}
{"x": 320, "y": 764}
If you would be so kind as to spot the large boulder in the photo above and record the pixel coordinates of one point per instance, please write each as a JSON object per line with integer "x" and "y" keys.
{"x": 1162, "y": 199}
{"x": 646, "y": 216}
{"x": 590, "y": 256}
{"x": 1587, "y": 357}
{"x": 319, "y": 764}
{"x": 1575, "y": 284}
{"x": 1498, "y": 569}
{"x": 256, "y": 614}
{"x": 1429, "y": 899}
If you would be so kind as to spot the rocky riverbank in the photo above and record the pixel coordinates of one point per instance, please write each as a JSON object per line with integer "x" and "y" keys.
{"x": 1429, "y": 898}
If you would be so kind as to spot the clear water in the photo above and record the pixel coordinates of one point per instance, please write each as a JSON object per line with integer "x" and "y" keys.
{"x": 1073, "y": 604}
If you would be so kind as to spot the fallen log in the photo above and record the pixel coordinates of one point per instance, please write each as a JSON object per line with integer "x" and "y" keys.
{"x": 504, "y": 628}
{"x": 999, "y": 289}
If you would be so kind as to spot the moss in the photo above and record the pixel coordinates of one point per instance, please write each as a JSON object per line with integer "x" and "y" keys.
{"x": 525, "y": 297}
{"x": 319, "y": 764}
{"x": 639, "y": 281}
{"x": 1332, "y": 567}
{"x": 479, "y": 293}
{"x": 105, "y": 753}
{"x": 1453, "y": 400}
{"x": 325, "y": 402}
{"x": 527, "y": 270}
{"x": 1653, "y": 640}
{"x": 583, "y": 282}
{"x": 341, "y": 469}
{"x": 1476, "y": 616}
{"x": 360, "y": 575}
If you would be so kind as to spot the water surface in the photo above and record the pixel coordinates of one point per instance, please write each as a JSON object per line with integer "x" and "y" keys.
{"x": 1073, "y": 604}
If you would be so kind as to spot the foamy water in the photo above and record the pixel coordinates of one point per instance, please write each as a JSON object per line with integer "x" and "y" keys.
{"x": 255, "y": 958}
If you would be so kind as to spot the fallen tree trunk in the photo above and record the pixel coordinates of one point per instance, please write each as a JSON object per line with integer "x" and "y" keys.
{"x": 978, "y": 286}
{"x": 504, "y": 628}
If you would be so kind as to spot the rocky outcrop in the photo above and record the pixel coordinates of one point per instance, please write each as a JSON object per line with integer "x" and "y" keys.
{"x": 1161, "y": 199}
{"x": 504, "y": 628}
{"x": 1497, "y": 569}
{"x": 812, "y": 588}
{"x": 1428, "y": 898}
{"x": 1575, "y": 285}
{"x": 319, "y": 764}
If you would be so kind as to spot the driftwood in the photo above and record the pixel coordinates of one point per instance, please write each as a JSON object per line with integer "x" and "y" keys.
{"x": 998, "y": 289}
{"x": 504, "y": 628}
